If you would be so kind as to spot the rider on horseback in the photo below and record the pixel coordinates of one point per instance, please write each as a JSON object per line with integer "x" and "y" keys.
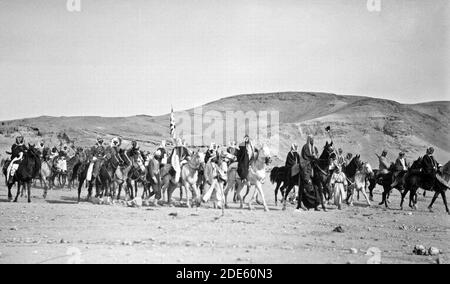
{"x": 400, "y": 168}
{"x": 430, "y": 167}
{"x": 309, "y": 153}
{"x": 292, "y": 159}
{"x": 161, "y": 154}
{"x": 97, "y": 155}
{"x": 211, "y": 152}
{"x": 383, "y": 165}
{"x": 17, "y": 151}
{"x": 180, "y": 155}
{"x": 245, "y": 155}
{"x": 116, "y": 142}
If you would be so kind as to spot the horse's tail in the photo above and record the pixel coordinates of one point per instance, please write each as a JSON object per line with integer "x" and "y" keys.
{"x": 274, "y": 174}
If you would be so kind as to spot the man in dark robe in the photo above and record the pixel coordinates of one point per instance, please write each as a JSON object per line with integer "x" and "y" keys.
{"x": 17, "y": 151}
{"x": 244, "y": 156}
{"x": 292, "y": 159}
{"x": 309, "y": 153}
{"x": 430, "y": 167}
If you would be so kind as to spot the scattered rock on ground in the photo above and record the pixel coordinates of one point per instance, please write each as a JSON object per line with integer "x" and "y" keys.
{"x": 338, "y": 229}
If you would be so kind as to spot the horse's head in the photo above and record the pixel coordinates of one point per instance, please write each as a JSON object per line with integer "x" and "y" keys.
{"x": 196, "y": 160}
{"x": 367, "y": 168}
{"x": 417, "y": 164}
{"x": 328, "y": 151}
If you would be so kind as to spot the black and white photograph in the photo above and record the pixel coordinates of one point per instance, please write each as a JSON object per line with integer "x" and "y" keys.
{"x": 224, "y": 132}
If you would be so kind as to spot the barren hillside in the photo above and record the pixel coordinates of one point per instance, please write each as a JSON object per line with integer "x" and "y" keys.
{"x": 359, "y": 124}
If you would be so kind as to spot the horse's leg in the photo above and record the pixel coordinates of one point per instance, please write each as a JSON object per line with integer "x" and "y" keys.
{"x": 90, "y": 185}
{"x": 276, "y": 192}
{"x": 80, "y": 185}
{"x": 18, "y": 192}
{"x": 444, "y": 198}
{"x": 261, "y": 193}
{"x": 45, "y": 187}
{"x": 285, "y": 189}
{"x": 320, "y": 191}
{"x": 10, "y": 197}
{"x": 436, "y": 194}
{"x": 403, "y": 197}
{"x": 240, "y": 185}
{"x": 363, "y": 190}
{"x": 28, "y": 184}
{"x": 246, "y": 193}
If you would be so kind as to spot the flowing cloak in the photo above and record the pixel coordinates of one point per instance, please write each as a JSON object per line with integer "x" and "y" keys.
{"x": 16, "y": 149}
{"x": 179, "y": 154}
{"x": 429, "y": 164}
{"x": 306, "y": 157}
{"x": 243, "y": 158}
{"x": 292, "y": 159}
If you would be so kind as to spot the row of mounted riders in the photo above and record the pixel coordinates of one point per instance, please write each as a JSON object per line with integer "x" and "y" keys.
{"x": 106, "y": 170}
{"x": 102, "y": 169}
{"x": 315, "y": 190}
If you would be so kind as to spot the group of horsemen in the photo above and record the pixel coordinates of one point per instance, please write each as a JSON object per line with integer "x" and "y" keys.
{"x": 239, "y": 156}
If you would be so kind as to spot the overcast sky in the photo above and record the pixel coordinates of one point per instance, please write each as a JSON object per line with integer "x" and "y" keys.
{"x": 127, "y": 57}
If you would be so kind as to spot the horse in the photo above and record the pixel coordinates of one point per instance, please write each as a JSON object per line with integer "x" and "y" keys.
{"x": 311, "y": 190}
{"x": 360, "y": 182}
{"x": 28, "y": 169}
{"x": 60, "y": 170}
{"x": 415, "y": 178}
{"x": 277, "y": 175}
{"x": 386, "y": 181}
{"x": 350, "y": 171}
{"x": 256, "y": 177}
{"x": 188, "y": 180}
{"x": 152, "y": 179}
{"x": 46, "y": 175}
{"x": 136, "y": 174}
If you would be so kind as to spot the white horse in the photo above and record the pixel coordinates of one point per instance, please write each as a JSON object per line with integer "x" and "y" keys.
{"x": 256, "y": 177}
{"x": 188, "y": 180}
{"x": 361, "y": 182}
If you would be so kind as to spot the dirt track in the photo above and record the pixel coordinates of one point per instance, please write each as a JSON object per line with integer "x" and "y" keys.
{"x": 49, "y": 231}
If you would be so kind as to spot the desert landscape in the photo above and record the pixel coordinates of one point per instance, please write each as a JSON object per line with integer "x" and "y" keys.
{"x": 59, "y": 230}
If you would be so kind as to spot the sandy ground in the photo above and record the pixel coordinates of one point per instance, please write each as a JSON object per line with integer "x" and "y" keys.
{"x": 58, "y": 230}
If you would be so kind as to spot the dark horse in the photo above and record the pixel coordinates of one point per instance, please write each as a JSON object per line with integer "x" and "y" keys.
{"x": 415, "y": 178}
{"x": 350, "y": 172}
{"x": 385, "y": 181}
{"x": 278, "y": 175}
{"x": 312, "y": 191}
{"x": 29, "y": 169}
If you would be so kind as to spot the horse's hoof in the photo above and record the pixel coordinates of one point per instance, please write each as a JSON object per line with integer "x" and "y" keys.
{"x": 15, "y": 201}
{"x": 381, "y": 203}
{"x": 284, "y": 208}
{"x": 29, "y": 201}
{"x": 266, "y": 209}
